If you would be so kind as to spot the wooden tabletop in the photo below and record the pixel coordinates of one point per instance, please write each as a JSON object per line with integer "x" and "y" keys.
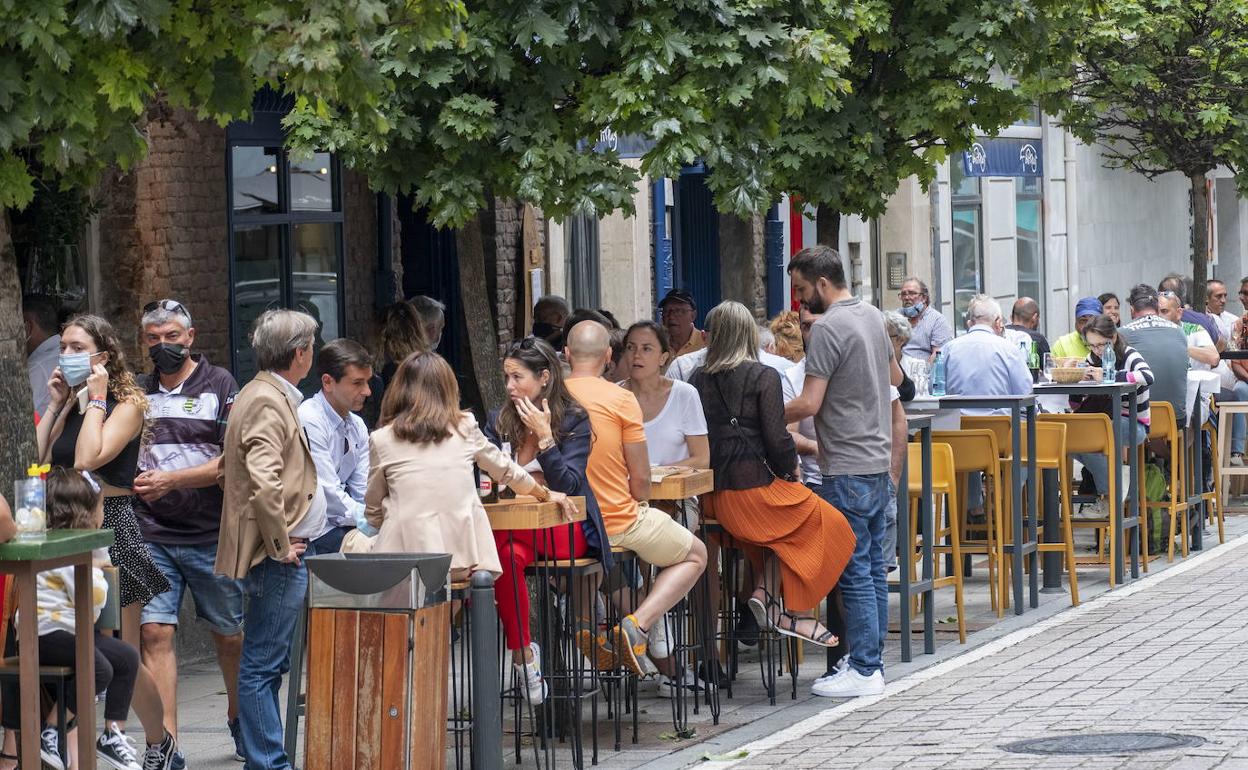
{"x": 676, "y": 483}
{"x": 56, "y": 544}
{"x": 522, "y": 512}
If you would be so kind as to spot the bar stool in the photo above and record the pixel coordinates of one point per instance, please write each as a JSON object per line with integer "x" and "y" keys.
{"x": 1227, "y": 410}
{"x": 1213, "y": 498}
{"x": 559, "y": 715}
{"x": 459, "y": 721}
{"x": 1163, "y": 427}
{"x": 619, "y": 684}
{"x": 976, "y": 451}
{"x": 1092, "y": 434}
{"x": 773, "y": 646}
{"x": 944, "y": 484}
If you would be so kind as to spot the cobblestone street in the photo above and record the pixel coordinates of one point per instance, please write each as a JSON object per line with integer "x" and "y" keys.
{"x": 1167, "y": 654}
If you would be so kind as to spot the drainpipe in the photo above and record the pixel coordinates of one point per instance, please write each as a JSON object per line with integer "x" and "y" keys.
{"x": 663, "y": 269}
{"x": 384, "y": 284}
{"x": 1072, "y": 226}
{"x": 773, "y": 253}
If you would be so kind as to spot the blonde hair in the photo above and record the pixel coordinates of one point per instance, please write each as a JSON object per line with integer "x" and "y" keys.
{"x": 787, "y": 327}
{"x": 733, "y": 336}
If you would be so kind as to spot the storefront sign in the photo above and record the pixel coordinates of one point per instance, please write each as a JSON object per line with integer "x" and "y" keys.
{"x": 625, "y": 146}
{"x": 1004, "y": 157}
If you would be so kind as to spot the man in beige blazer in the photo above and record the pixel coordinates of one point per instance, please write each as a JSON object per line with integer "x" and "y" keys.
{"x": 273, "y": 506}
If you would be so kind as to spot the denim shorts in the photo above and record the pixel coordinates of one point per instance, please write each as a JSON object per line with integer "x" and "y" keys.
{"x": 218, "y": 599}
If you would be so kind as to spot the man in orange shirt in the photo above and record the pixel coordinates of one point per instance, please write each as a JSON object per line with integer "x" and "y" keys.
{"x": 619, "y": 475}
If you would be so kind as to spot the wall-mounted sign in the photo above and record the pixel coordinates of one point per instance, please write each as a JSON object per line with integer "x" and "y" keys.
{"x": 1004, "y": 157}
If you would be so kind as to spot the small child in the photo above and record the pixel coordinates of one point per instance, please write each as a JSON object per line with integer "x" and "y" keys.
{"x": 75, "y": 502}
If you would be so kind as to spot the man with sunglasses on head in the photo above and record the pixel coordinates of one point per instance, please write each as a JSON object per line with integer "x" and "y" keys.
{"x": 929, "y": 329}
{"x": 178, "y": 503}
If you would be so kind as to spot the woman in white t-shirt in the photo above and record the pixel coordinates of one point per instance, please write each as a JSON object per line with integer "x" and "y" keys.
{"x": 672, "y": 410}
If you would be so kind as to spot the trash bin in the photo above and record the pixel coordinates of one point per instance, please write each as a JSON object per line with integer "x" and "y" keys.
{"x": 377, "y": 661}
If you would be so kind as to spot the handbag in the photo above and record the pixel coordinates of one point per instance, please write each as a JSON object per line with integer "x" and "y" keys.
{"x": 736, "y": 424}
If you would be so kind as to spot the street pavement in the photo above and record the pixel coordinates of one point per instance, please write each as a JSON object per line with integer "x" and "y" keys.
{"x": 1169, "y": 655}
{"x": 1165, "y": 653}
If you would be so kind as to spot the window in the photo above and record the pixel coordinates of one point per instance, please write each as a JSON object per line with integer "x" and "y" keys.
{"x": 286, "y": 242}
{"x": 968, "y": 248}
{"x": 1029, "y": 221}
{"x": 582, "y": 260}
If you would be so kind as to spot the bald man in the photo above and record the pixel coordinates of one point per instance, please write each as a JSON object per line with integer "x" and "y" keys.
{"x": 1025, "y": 318}
{"x": 619, "y": 475}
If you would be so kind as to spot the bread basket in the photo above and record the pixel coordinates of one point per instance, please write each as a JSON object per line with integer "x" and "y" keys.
{"x": 1067, "y": 375}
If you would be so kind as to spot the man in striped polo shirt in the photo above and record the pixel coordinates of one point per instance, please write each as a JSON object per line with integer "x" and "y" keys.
{"x": 178, "y": 503}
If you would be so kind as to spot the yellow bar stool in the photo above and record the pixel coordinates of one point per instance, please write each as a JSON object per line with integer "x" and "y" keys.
{"x": 944, "y": 490}
{"x": 1092, "y": 434}
{"x": 1164, "y": 427}
{"x": 975, "y": 451}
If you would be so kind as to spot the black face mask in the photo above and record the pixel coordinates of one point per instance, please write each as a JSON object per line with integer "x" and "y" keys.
{"x": 167, "y": 357}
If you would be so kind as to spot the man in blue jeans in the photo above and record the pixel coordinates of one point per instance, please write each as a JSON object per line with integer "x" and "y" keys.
{"x": 178, "y": 504}
{"x": 849, "y": 367}
{"x": 273, "y": 507}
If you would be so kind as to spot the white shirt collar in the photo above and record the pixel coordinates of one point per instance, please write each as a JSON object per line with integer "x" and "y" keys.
{"x": 292, "y": 392}
{"x": 335, "y": 421}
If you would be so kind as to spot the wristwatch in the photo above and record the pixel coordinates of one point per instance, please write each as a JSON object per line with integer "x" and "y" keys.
{"x": 546, "y": 444}
{"x": 541, "y": 493}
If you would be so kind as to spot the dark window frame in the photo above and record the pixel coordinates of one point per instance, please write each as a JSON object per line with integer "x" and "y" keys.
{"x": 284, "y": 218}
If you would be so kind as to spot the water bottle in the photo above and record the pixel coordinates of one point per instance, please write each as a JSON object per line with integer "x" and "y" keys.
{"x": 1107, "y": 365}
{"x": 938, "y": 375}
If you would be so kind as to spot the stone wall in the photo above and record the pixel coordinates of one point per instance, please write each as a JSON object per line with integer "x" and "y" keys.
{"x": 162, "y": 233}
{"x": 504, "y": 245}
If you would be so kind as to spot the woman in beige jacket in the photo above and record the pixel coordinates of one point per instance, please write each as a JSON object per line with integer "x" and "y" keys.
{"x": 422, "y": 495}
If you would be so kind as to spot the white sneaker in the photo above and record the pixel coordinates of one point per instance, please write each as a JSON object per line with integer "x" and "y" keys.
{"x": 50, "y": 748}
{"x": 667, "y": 685}
{"x": 529, "y": 677}
{"x": 838, "y": 668}
{"x": 849, "y": 684}
{"x": 657, "y": 644}
{"x": 1237, "y": 459}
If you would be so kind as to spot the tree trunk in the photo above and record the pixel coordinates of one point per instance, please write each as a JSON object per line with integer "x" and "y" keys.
{"x": 17, "y": 407}
{"x": 1200, "y": 240}
{"x": 478, "y": 314}
{"x": 828, "y": 227}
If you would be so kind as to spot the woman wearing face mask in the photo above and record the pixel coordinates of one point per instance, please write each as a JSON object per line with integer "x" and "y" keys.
{"x": 94, "y": 422}
{"x": 550, "y": 436}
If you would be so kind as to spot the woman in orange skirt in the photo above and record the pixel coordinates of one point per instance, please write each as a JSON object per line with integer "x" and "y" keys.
{"x": 797, "y": 536}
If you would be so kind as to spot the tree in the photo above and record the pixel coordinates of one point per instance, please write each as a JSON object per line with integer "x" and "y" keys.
{"x": 77, "y": 78}
{"x": 1162, "y": 87}
{"x": 834, "y": 101}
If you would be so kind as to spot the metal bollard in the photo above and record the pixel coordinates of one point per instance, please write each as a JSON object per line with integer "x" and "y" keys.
{"x": 487, "y": 717}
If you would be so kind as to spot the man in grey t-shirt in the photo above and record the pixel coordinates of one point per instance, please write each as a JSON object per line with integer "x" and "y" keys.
{"x": 849, "y": 367}
{"x": 1163, "y": 345}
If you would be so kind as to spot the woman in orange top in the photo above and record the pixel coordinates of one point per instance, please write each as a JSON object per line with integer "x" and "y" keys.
{"x": 757, "y": 498}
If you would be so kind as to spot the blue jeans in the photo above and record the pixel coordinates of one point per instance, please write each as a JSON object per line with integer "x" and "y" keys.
{"x": 1239, "y": 423}
{"x": 863, "y": 584}
{"x": 275, "y": 595}
{"x": 330, "y": 542}
{"x": 218, "y": 599}
{"x": 1098, "y": 464}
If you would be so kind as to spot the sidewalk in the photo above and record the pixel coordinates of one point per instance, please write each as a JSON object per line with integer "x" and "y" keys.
{"x": 1169, "y": 656}
{"x": 748, "y": 716}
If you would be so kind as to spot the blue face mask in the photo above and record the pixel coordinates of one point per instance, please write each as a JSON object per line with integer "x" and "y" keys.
{"x": 914, "y": 310}
{"x": 75, "y": 367}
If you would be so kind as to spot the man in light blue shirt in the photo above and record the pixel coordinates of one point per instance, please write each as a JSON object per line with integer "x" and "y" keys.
{"x": 982, "y": 362}
{"x": 338, "y": 438}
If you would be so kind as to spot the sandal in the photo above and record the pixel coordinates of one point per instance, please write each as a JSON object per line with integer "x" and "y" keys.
{"x": 787, "y": 625}
{"x": 760, "y": 608}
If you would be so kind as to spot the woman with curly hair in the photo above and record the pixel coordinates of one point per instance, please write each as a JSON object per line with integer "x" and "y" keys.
{"x": 94, "y": 422}
{"x": 787, "y": 328}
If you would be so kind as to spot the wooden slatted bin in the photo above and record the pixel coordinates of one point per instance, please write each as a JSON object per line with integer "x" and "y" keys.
{"x": 377, "y": 674}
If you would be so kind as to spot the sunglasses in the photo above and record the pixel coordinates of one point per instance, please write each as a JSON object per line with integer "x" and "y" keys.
{"x": 166, "y": 304}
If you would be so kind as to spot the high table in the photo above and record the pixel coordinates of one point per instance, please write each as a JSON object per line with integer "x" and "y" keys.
{"x": 1024, "y": 539}
{"x": 922, "y": 424}
{"x": 680, "y": 486}
{"x": 24, "y": 559}
{"x": 1121, "y": 522}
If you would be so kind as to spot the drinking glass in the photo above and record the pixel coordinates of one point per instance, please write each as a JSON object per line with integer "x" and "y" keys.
{"x": 1048, "y": 367}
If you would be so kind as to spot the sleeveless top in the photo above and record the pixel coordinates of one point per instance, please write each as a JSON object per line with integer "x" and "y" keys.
{"x": 118, "y": 472}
